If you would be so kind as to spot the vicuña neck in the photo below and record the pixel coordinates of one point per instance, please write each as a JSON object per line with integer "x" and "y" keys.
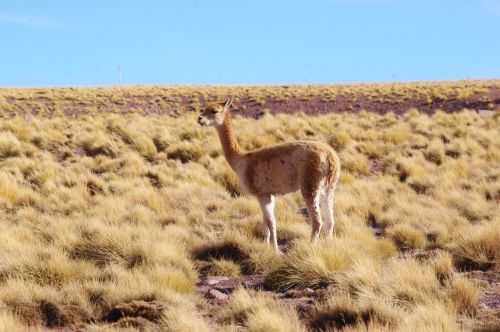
{"x": 232, "y": 150}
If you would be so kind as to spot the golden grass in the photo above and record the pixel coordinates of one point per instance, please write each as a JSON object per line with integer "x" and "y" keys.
{"x": 104, "y": 209}
{"x": 259, "y": 313}
{"x": 178, "y": 99}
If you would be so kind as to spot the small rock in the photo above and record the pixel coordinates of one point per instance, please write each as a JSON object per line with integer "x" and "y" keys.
{"x": 254, "y": 281}
{"x": 217, "y": 295}
{"x": 215, "y": 280}
{"x": 291, "y": 294}
{"x": 309, "y": 291}
{"x": 304, "y": 309}
{"x": 486, "y": 113}
{"x": 203, "y": 289}
{"x": 298, "y": 293}
{"x": 227, "y": 285}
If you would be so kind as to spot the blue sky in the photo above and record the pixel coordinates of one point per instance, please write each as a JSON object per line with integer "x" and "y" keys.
{"x": 54, "y": 42}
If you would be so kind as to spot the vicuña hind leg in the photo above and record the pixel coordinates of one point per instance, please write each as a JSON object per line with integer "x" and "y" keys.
{"x": 267, "y": 204}
{"x": 311, "y": 193}
{"x": 312, "y": 203}
{"x": 327, "y": 203}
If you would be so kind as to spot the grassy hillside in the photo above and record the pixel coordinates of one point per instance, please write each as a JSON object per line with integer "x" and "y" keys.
{"x": 117, "y": 217}
{"x": 255, "y": 100}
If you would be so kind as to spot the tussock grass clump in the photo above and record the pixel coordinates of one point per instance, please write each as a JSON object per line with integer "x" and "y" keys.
{"x": 105, "y": 253}
{"x": 9, "y": 145}
{"x": 162, "y": 141}
{"x": 50, "y": 315}
{"x": 140, "y": 141}
{"x": 406, "y": 237}
{"x": 258, "y": 312}
{"x": 12, "y": 193}
{"x": 226, "y": 257}
{"x": 435, "y": 153}
{"x": 10, "y": 322}
{"x": 222, "y": 267}
{"x": 464, "y": 296}
{"x": 180, "y": 319}
{"x": 185, "y": 152}
{"x": 340, "y": 140}
{"x": 430, "y": 317}
{"x": 342, "y": 312}
{"x": 478, "y": 248}
{"x": 319, "y": 266}
{"x": 398, "y": 134}
{"x": 356, "y": 164}
{"x": 229, "y": 181}
{"x": 98, "y": 144}
{"x": 443, "y": 267}
{"x": 223, "y": 250}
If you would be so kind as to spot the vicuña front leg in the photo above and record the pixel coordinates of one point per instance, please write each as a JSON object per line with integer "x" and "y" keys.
{"x": 267, "y": 204}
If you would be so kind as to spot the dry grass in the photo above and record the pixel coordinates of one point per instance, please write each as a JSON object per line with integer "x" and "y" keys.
{"x": 259, "y": 313}
{"x": 178, "y": 99}
{"x": 102, "y": 210}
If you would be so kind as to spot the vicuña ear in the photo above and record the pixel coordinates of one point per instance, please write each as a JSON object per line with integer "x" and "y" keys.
{"x": 228, "y": 103}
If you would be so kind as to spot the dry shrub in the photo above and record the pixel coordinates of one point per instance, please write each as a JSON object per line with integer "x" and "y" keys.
{"x": 406, "y": 236}
{"x": 140, "y": 141}
{"x": 162, "y": 141}
{"x": 355, "y": 163}
{"x": 435, "y": 153}
{"x": 229, "y": 181}
{"x": 9, "y": 145}
{"x": 259, "y": 313}
{"x": 45, "y": 313}
{"x": 408, "y": 282}
{"x": 228, "y": 251}
{"x": 222, "y": 267}
{"x": 309, "y": 266}
{"x": 184, "y": 152}
{"x": 21, "y": 128}
{"x": 105, "y": 251}
{"x": 319, "y": 266}
{"x": 149, "y": 310}
{"x": 396, "y": 135}
{"x": 184, "y": 319}
{"x": 343, "y": 312}
{"x": 10, "y": 322}
{"x": 98, "y": 144}
{"x": 464, "y": 296}
{"x": 443, "y": 267}
{"x": 373, "y": 150}
{"x": 14, "y": 194}
{"x": 477, "y": 247}
{"x": 430, "y": 317}
{"x": 340, "y": 140}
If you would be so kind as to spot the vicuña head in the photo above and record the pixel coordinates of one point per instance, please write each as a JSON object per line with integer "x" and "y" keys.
{"x": 308, "y": 166}
{"x": 214, "y": 114}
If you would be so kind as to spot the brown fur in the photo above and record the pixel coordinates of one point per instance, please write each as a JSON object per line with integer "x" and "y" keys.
{"x": 311, "y": 167}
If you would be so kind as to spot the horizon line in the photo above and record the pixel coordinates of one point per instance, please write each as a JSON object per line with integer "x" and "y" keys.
{"x": 126, "y": 85}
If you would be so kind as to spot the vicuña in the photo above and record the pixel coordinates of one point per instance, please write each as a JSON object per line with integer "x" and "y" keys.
{"x": 308, "y": 166}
